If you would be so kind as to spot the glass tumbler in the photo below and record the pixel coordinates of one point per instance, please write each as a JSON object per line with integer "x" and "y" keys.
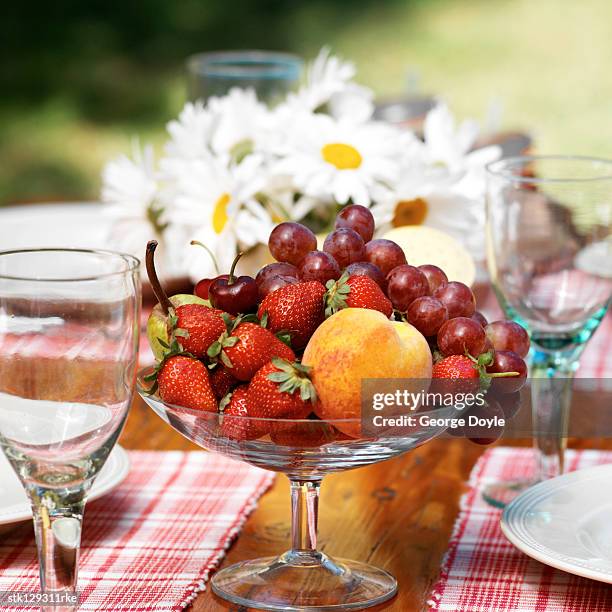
{"x": 272, "y": 75}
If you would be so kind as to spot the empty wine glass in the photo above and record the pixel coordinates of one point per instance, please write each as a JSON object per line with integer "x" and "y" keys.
{"x": 550, "y": 259}
{"x": 69, "y": 325}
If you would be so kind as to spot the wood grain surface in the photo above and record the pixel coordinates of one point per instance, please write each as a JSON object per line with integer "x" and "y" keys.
{"x": 397, "y": 515}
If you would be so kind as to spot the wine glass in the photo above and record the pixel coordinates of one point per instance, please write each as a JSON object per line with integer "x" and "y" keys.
{"x": 69, "y": 325}
{"x": 305, "y": 450}
{"x": 549, "y": 254}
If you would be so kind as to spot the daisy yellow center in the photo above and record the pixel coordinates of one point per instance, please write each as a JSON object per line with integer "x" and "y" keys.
{"x": 410, "y": 212}
{"x": 343, "y": 156}
{"x": 220, "y": 213}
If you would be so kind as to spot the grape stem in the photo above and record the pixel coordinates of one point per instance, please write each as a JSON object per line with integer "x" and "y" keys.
{"x": 158, "y": 290}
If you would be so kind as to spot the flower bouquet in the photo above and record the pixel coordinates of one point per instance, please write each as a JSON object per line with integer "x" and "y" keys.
{"x": 233, "y": 168}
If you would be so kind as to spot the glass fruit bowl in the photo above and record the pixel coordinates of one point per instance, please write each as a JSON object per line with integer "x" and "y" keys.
{"x": 305, "y": 450}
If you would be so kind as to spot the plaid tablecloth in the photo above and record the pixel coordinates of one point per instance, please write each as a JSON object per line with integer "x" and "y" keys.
{"x": 483, "y": 572}
{"x": 151, "y": 543}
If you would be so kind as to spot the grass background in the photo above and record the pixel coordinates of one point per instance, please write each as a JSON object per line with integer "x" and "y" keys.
{"x": 79, "y": 79}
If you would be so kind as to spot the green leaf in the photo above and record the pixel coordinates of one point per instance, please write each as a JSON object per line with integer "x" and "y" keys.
{"x": 284, "y": 337}
{"x": 330, "y": 284}
{"x": 279, "y": 376}
{"x": 150, "y": 377}
{"x": 214, "y": 349}
{"x": 264, "y": 319}
{"x": 282, "y": 364}
{"x": 231, "y": 341}
{"x": 181, "y": 333}
{"x": 163, "y": 343}
{"x": 287, "y": 387}
{"x": 225, "y": 401}
{"x": 226, "y": 360}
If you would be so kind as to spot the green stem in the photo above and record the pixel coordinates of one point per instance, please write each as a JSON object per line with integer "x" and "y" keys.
{"x": 212, "y": 255}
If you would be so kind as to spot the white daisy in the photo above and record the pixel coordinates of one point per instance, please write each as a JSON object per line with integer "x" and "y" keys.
{"x": 190, "y": 134}
{"x": 239, "y": 123}
{"x": 449, "y": 147}
{"x": 329, "y": 83}
{"x": 442, "y": 183}
{"x": 130, "y": 190}
{"x": 217, "y": 204}
{"x": 341, "y": 160}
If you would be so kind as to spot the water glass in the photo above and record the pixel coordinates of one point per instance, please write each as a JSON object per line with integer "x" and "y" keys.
{"x": 69, "y": 325}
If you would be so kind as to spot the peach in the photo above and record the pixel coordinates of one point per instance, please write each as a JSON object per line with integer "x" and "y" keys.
{"x": 356, "y": 344}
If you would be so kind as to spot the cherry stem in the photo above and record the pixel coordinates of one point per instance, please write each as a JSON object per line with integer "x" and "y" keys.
{"x": 158, "y": 290}
{"x": 212, "y": 255}
{"x": 231, "y": 278}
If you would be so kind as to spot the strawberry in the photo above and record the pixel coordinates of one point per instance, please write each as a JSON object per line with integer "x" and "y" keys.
{"x": 356, "y": 292}
{"x": 454, "y": 369}
{"x": 246, "y": 348}
{"x": 281, "y": 389}
{"x": 184, "y": 381}
{"x": 222, "y": 381}
{"x": 455, "y": 366}
{"x": 235, "y": 406}
{"x": 297, "y": 309}
{"x": 197, "y": 327}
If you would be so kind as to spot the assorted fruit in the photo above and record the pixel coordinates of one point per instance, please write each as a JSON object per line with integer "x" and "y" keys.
{"x": 295, "y": 341}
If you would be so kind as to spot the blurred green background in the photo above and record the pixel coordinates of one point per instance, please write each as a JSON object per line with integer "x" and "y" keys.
{"x": 79, "y": 79}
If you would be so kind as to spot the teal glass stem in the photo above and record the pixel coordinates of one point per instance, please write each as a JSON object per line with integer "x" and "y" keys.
{"x": 551, "y": 397}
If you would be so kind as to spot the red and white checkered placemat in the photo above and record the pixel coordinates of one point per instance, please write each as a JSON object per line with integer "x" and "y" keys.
{"x": 151, "y": 543}
{"x": 483, "y": 572}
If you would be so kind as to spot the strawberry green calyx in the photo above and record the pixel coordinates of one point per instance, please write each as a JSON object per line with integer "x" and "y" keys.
{"x": 293, "y": 377}
{"x": 335, "y": 297}
{"x": 215, "y": 350}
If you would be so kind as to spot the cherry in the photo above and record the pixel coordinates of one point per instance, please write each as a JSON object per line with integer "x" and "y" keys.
{"x": 202, "y": 286}
{"x": 234, "y": 295}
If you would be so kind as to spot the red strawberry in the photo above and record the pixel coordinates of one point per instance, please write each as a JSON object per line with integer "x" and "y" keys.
{"x": 356, "y": 292}
{"x": 248, "y": 347}
{"x": 184, "y": 381}
{"x": 222, "y": 381}
{"x": 455, "y": 368}
{"x": 233, "y": 425}
{"x": 197, "y": 327}
{"x": 297, "y": 309}
{"x": 282, "y": 390}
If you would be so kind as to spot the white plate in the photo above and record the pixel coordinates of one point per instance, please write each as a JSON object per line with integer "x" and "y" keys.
{"x": 565, "y": 523}
{"x": 14, "y": 505}
{"x": 80, "y": 225}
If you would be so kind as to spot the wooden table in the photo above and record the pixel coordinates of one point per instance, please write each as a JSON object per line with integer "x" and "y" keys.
{"x": 397, "y": 514}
